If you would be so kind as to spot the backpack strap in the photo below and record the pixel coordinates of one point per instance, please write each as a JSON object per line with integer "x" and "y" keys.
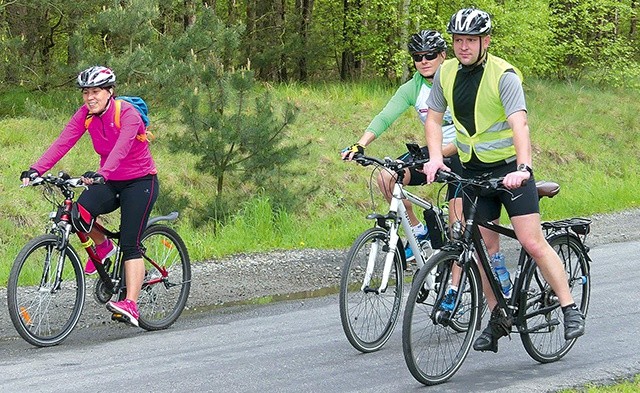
{"x": 87, "y": 121}
{"x": 118, "y": 109}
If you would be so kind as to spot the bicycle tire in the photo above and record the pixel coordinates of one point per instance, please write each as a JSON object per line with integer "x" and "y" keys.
{"x": 543, "y": 333}
{"x": 433, "y": 349}
{"x": 161, "y": 302}
{"x": 41, "y": 312}
{"x": 369, "y": 317}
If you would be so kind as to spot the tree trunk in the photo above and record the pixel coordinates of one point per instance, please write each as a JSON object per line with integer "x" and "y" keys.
{"x": 281, "y": 30}
{"x": 633, "y": 26}
{"x": 350, "y": 30}
{"x": 189, "y": 17}
{"x": 306, "y": 9}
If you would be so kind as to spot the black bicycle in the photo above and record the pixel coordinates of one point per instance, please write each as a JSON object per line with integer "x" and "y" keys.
{"x": 46, "y": 287}
{"x": 434, "y": 349}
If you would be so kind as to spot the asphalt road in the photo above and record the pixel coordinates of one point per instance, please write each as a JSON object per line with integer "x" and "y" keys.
{"x": 299, "y": 346}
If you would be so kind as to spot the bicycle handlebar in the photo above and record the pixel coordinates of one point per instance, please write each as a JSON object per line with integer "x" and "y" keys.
{"x": 63, "y": 181}
{"x": 443, "y": 176}
{"x": 393, "y": 165}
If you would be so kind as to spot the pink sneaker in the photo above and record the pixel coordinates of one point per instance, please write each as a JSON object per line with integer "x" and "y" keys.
{"x": 104, "y": 251}
{"x": 124, "y": 311}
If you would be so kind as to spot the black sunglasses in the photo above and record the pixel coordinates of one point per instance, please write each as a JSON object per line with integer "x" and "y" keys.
{"x": 419, "y": 56}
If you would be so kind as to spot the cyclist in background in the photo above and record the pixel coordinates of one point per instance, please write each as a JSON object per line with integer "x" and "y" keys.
{"x": 489, "y": 112}
{"x": 428, "y": 50}
{"x": 126, "y": 178}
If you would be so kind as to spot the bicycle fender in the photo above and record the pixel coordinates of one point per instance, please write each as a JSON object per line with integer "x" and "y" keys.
{"x": 169, "y": 217}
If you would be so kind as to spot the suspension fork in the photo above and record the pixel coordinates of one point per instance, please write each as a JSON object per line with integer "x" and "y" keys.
{"x": 61, "y": 245}
{"x": 395, "y": 207}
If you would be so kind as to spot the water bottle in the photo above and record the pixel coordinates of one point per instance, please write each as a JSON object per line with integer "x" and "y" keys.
{"x": 501, "y": 272}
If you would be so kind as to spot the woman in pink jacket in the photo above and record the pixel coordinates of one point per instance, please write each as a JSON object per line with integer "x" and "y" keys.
{"x": 126, "y": 178}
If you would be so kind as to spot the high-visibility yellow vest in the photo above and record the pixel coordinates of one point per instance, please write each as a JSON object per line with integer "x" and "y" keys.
{"x": 493, "y": 139}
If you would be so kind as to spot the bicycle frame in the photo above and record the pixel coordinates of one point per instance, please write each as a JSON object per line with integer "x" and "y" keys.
{"x": 396, "y": 217}
{"x": 63, "y": 228}
{"x": 472, "y": 236}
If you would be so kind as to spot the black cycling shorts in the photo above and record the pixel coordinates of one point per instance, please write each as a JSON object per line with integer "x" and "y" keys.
{"x": 518, "y": 202}
{"x": 419, "y": 178}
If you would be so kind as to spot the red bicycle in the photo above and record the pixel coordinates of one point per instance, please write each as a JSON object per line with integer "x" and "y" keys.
{"x": 46, "y": 288}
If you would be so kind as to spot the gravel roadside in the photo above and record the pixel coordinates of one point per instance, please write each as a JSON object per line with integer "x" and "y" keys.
{"x": 299, "y": 273}
{"x": 249, "y": 276}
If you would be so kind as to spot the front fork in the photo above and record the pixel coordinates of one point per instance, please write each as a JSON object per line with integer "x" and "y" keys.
{"x": 392, "y": 222}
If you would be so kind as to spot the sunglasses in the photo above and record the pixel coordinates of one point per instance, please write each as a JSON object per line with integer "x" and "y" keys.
{"x": 419, "y": 56}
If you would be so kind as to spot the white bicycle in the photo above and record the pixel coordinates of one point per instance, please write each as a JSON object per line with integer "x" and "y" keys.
{"x": 373, "y": 275}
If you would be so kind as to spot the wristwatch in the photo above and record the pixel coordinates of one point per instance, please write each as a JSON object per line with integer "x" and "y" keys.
{"x": 525, "y": 168}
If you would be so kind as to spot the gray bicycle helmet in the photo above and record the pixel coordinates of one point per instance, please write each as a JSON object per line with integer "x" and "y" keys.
{"x": 470, "y": 21}
{"x": 96, "y": 76}
{"x": 426, "y": 41}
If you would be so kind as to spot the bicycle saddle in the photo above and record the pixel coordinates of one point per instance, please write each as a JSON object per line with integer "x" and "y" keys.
{"x": 547, "y": 188}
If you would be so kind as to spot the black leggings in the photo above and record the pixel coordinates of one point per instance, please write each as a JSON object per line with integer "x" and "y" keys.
{"x": 135, "y": 198}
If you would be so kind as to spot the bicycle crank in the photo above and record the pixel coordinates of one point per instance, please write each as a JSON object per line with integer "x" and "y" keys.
{"x": 102, "y": 293}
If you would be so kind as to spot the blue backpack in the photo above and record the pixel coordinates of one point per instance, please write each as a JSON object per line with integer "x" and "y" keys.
{"x": 140, "y": 105}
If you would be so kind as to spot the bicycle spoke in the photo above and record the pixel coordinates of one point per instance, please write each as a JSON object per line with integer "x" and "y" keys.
{"x": 543, "y": 334}
{"x": 44, "y": 310}
{"x": 167, "y": 278}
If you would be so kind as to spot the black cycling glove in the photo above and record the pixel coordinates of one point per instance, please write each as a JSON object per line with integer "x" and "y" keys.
{"x": 95, "y": 176}
{"x": 30, "y": 174}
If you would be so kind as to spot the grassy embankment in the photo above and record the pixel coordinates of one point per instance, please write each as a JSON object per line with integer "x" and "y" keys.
{"x": 585, "y": 138}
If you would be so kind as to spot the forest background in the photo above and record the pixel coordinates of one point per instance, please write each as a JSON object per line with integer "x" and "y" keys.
{"x": 252, "y": 100}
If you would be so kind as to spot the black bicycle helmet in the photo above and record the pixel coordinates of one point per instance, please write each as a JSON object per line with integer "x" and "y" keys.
{"x": 96, "y": 76}
{"x": 426, "y": 41}
{"x": 470, "y": 21}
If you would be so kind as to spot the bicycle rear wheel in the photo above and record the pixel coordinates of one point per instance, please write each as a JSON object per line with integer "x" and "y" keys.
{"x": 43, "y": 311}
{"x": 369, "y": 315}
{"x": 165, "y": 289}
{"x": 435, "y": 344}
{"x": 543, "y": 333}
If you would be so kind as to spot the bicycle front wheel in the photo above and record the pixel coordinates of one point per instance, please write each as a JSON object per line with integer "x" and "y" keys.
{"x": 368, "y": 312}
{"x": 435, "y": 342}
{"x": 167, "y": 281}
{"x": 543, "y": 333}
{"x": 45, "y": 291}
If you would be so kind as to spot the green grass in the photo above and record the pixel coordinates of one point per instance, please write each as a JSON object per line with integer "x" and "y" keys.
{"x": 584, "y": 138}
{"x": 627, "y": 386}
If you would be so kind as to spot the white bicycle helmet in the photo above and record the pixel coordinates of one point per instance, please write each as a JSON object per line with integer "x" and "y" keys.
{"x": 470, "y": 21}
{"x": 96, "y": 76}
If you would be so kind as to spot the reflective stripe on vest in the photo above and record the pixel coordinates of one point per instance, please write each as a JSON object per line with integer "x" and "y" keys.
{"x": 493, "y": 140}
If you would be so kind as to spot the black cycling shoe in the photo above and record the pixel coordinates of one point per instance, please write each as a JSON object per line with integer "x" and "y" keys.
{"x": 486, "y": 341}
{"x": 573, "y": 323}
{"x": 499, "y": 325}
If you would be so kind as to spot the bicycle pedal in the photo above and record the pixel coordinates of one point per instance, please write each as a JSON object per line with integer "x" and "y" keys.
{"x": 122, "y": 318}
{"x": 117, "y": 317}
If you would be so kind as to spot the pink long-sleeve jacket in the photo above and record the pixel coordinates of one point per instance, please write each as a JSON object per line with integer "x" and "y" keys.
{"x": 122, "y": 156}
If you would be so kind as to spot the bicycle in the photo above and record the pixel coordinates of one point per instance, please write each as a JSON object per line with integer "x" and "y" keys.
{"x": 434, "y": 351}
{"x": 46, "y": 287}
{"x": 372, "y": 278}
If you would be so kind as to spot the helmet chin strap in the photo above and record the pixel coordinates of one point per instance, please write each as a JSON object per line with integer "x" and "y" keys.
{"x": 481, "y": 56}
